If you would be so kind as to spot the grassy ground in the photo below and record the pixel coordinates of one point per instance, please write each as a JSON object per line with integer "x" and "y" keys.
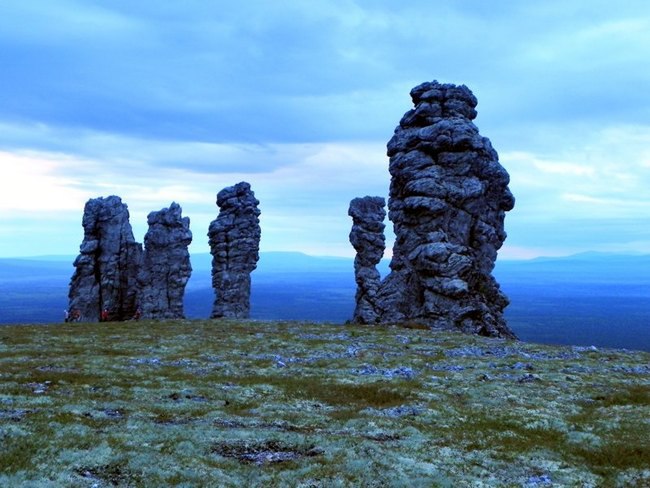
{"x": 222, "y": 403}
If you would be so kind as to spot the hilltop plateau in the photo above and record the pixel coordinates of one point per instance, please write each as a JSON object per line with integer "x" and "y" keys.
{"x": 252, "y": 403}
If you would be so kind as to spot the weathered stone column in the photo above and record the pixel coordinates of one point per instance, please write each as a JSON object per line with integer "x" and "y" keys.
{"x": 166, "y": 264}
{"x": 106, "y": 269}
{"x": 234, "y": 244}
{"x": 367, "y": 238}
{"x": 448, "y": 198}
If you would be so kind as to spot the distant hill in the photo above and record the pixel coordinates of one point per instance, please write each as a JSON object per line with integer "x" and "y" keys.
{"x": 591, "y": 298}
{"x": 586, "y": 299}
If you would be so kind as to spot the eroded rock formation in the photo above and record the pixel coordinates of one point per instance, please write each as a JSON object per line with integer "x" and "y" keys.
{"x": 105, "y": 276}
{"x": 234, "y": 244}
{"x": 166, "y": 264}
{"x": 448, "y": 198}
{"x": 367, "y": 238}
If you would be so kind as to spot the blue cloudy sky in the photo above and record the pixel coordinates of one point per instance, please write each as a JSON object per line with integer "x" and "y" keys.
{"x": 172, "y": 101}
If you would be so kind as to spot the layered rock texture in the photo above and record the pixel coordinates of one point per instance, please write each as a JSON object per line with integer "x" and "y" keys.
{"x": 448, "y": 198}
{"x": 166, "y": 264}
{"x": 367, "y": 238}
{"x": 106, "y": 269}
{"x": 234, "y": 239}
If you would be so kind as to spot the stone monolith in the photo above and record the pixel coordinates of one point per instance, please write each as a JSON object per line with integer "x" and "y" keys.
{"x": 166, "y": 264}
{"x": 105, "y": 276}
{"x": 234, "y": 239}
{"x": 447, "y": 201}
{"x": 367, "y": 238}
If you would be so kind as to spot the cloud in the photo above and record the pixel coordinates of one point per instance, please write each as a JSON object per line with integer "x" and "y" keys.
{"x": 33, "y": 184}
{"x": 161, "y": 101}
{"x": 303, "y": 200}
{"x": 594, "y": 194}
{"x": 309, "y": 72}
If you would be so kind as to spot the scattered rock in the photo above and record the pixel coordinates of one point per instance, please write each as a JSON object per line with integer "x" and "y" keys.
{"x": 40, "y": 388}
{"x": 114, "y": 413}
{"x": 520, "y": 365}
{"x": 455, "y": 368}
{"x": 14, "y": 415}
{"x": 261, "y": 453}
{"x": 107, "y": 267}
{"x": 528, "y": 378}
{"x": 114, "y": 474}
{"x": 399, "y": 372}
{"x": 150, "y": 361}
{"x": 401, "y": 411}
{"x": 234, "y": 244}
{"x": 166, "y": 264}
{"x": 541, "y": 480}
{"x": 383, "y": 437}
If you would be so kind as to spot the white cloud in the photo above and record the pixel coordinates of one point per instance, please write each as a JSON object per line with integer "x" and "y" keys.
{"x": 303, "y": 200}
{"x": 31, "y": 183}
{"x": 67, "y": 21}
{"x": 563, "y": 168}
{"x": 584, "y": 192}
{"x": 161, "y": 101}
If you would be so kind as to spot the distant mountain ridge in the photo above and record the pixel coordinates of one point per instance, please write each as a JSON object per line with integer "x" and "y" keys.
{"x": 586, "y": 299}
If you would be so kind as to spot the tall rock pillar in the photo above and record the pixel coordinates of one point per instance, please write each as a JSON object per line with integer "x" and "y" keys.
{"x": 448, "y": 198}
{"x": 105, "y": 276}
{"x": 367, "y": 238}
{"x": 234, "y": 239}
{"x": 166, "y": 264}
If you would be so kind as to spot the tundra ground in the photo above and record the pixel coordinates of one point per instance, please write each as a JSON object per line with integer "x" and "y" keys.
{"x": 245, "y": 403}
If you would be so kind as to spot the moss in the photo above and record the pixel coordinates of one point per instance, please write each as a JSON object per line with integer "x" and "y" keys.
{"x": 18, "y": 454}
{"x": 616, "y": 454}
{"x": 115, "y": 474}
{"x": 144, "y": 405}
{"x": 504, "y": 434}
{"x": 634, "y": 394}
{"x": 414, "y": 325}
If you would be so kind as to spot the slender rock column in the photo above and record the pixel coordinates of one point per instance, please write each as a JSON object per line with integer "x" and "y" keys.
{"x": 367, "y": 238}
{"x": 166, "y": 264}
{"x": 234, "y": 239}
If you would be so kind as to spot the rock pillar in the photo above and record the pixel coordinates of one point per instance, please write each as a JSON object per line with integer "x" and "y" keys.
{"x": 234, "y": 239}
{"x": 166, "y": 264}
{"x": 105, "y": 276}
{"x": 367, "y": 238}
{"x": 448, "y": 198}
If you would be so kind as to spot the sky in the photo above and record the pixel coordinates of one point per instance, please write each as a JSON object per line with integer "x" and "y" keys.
{"x": 172, "y": 101}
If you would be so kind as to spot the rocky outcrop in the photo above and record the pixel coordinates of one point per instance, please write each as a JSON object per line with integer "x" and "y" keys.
{"x": 105, "y": 277}
{"x": 234, "y": 244}
{"x": 448, "y": 198}
{"x": 367, "y": 238}
{"x": 166, "y": 264}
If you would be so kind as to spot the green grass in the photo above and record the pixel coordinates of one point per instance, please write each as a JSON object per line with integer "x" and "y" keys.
{"x": 237, "y": 403}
